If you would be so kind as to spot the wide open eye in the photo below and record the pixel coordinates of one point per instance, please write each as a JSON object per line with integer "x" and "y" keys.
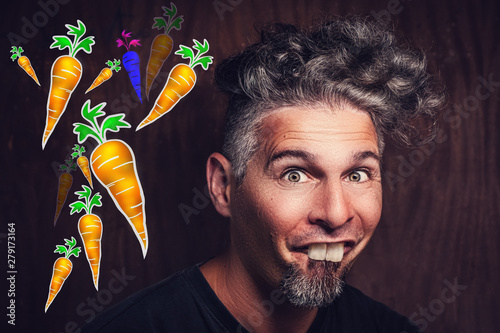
{"x": 358, "y": 176}
{"x": 295, "y": 176}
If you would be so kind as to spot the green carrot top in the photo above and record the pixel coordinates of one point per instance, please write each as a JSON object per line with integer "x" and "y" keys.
{"x": 187, "y": 53}
{"x": 77, "y": 151}
{"x": 110, "y": 123}
{"x": 62, "y": 42}
{"x": 16, "y": 52}
{"x": 90, "y": 202}
{"x": 114, "y": 66}
{"x": 68, "y": 167}
{"x": 171, "y": 22}
{"x": 70, "y": 249}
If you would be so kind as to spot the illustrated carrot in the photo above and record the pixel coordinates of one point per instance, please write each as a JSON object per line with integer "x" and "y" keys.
{"x": 181, "y": 80}
{"x": 83, "y": 162}
{"x": 62, "y": 268}
{"x": 105, "y": 74}
{"x": 162, "y": 44}
{"x": 131, "y": 62}
{"x": 90, "y": 229}
{"x": 113, "y": 164}
{"x": 65, "y": 75}
{"x": 23, "y": 62}
{"x": 65, "y": 182}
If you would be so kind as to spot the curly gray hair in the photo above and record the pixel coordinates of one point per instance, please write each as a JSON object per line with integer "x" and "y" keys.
{"x": 347, "y": 60}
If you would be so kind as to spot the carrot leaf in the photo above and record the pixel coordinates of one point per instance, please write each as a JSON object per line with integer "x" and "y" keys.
{"x": 126, "y": 35}
{"x": 62, "y": 42}
{"x": 170, "y": 12}
{"x": 69, "y": 249}
{"x": 16, "y": 52}
{"x": 95, "y": 201}
{"x": 77, "y": 207}
{"x": 134, "y": 42}
{"x": 160, "y": 23}
{"x": 85, "y": 45}
{"x": 90, "y": 201}
{"x": 74, "y": 252}
{"x": 84, "y": 131}
{"x": 76, "y": 31}
{"x": 201, "y": 48}
{"x": 113, "y": 124}
{"x": 121, "y": 43}
{"x": 61, "y": 249}
{"x": 176, "y": 24}
{"x": 204, "y": 62}
{"x": 185, "y": 52}
{"x": 77, "y": 151}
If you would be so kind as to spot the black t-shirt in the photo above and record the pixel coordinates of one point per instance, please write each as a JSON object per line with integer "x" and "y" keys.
{"x": 185, "y": 302}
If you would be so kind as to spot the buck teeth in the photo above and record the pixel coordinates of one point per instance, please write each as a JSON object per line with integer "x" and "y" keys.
{"x": 331, "y": 252}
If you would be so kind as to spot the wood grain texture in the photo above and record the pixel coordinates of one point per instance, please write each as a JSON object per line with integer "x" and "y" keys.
{"x": 440, "y": 220}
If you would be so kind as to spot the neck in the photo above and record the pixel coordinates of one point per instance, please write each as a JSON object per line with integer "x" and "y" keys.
{"x": 258, "y": 309}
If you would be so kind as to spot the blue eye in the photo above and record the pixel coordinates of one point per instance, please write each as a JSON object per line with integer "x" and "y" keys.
{"x": 358, "y": 176}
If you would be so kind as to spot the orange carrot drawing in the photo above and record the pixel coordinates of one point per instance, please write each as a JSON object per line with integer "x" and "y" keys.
{"x": 65, "y": 75}
{"x": 162, "y": 44}
{"x": 105, "y": 74}
{"x": 23, "y": 62}
{"x": 65, "y": 182}
{"x": 90, "y": 229}
{"x": 113, "y": 164}
{"x": 181, "y": 80}
{"x": 83, "y": 162}
{"x": 62, "y": 268}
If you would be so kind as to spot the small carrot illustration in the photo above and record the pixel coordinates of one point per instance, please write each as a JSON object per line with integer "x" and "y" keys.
{"x": 82, "y": 161}
{"x": 181, "y": 80}
{"x": 90, "y": 229}
{"x": 23, "y": 62}
{"x": 65, "y": 182}
{"x": 105, "y": 74}
{"x": 162, "y": 44}
{"x": 113, "y": 164}
{"x": 62, "y": 268}
{"x": 65, "y": 75}
{"x": 131, "y": 62}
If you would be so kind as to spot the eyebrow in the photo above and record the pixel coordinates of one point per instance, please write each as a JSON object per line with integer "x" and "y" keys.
{"x": 301, "y": 154}
{"x": 367, "y": 154}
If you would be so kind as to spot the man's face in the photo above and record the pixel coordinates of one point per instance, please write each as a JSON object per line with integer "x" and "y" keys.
{"x": 315, "y": 180}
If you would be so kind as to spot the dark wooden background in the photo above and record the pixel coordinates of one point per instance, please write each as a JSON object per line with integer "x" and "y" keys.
{"x": 440, "y": 221}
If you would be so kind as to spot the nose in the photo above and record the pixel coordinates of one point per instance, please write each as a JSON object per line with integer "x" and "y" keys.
{"x": 331, "y": 207}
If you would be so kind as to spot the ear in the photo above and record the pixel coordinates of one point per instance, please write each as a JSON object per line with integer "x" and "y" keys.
{"x": 219, "y": 176}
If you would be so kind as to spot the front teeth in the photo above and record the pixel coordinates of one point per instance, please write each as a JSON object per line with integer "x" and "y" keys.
{"x": 331, "y": 252}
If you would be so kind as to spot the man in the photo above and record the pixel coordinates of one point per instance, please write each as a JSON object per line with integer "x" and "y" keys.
{"x": 300, "y": 180}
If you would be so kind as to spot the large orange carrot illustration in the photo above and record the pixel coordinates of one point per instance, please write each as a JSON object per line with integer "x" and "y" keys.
{"x": 162, "y": 44}
{"x": 65, "y": 75}
{"x": 90, "y": 229}
{"x": 65, "y": 182}
{"x": 105, "y": 74}
{"x": 113, "y": 164}
{"x": 83, "y": 162}
{"x": 181, "y": 80}
{"x": 23, "y": 62}
{"x": 62, "y": 268}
